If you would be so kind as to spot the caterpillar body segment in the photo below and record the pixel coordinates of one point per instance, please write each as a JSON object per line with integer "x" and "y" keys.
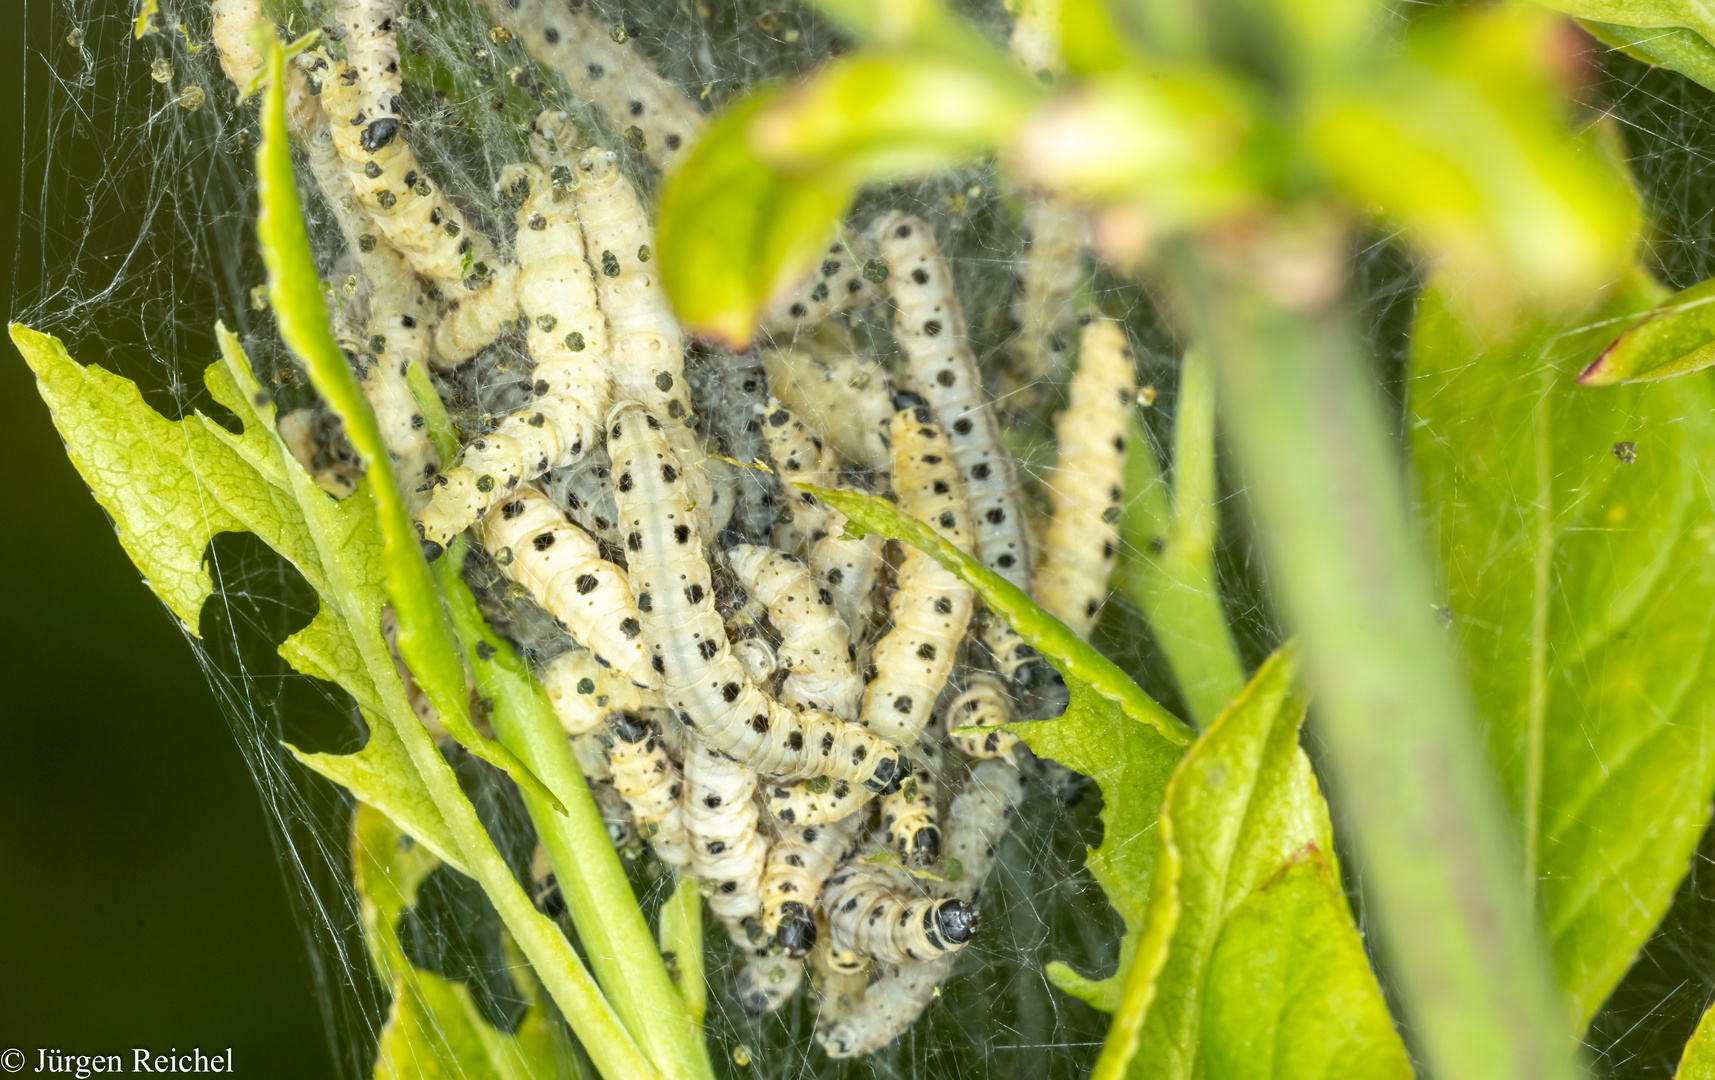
{"x": 910, "y": 818}
{"x": 591, "y": 751}
{"x": 585, "y": 692}
{"x": 931, "y": 607}
{"x": 757, "y": 657}
{"x": 1051, "y": 268}
{"x": 1087, "y": 488}
{"x": 876, "y": 910}
{"x": 833, "y": 285}
{"x": 646, "y": 343}
{"x": 1035, "y": 39}
{"x": 702, "y": 679}
{"x": 585, "y": 492}
{"x": 567, "y": 338}
{"x": 815, "y": 646}
{"x": 983, "y": 704}
{"x": 732, "y": 389}
{"x": 727, "y": 850}
{"x": 852, "y": 569}
{"x": 232, "y": 22}
{"x": 650, "y": 112}
{"x": 799, "y": 862}
{"x": 561, "y": 565}
{"x": 840, "y": 976}
{"x": 372, "y": 52}
{"x": 1019, "y": 664}
{"x": 306, "y": 435}
{"x": 889, "y": 1005}
{"x": 767, "y": 981}
{"x": 816, "y": 801}
{"x": 979, "y": 816}
{"x": 930, "y": 329}
{"x": 650, "y": 784}
{"x": 839, "y": 392}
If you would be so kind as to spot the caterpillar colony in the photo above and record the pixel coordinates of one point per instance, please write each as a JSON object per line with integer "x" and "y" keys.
{"x": 745, "y": 757}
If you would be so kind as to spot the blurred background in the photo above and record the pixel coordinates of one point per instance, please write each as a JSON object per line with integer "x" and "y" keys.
{"x": 141, "y": 902}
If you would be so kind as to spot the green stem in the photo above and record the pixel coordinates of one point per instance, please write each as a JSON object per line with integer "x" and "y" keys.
{"x": 1169, "y": 566}
{"x": 615, "y": 936}
{"x": 1542, "y": 589}
{"x": 682, "y": 935}
{"x": 1324, "y": 478}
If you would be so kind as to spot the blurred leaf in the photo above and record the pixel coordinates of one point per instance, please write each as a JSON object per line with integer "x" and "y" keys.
{"x": 1243, "y": 967}
{"x": 1463, "y": 142}
{"x": 172, "y": 485}
{"x": 1676, "y": 337}
{"x": 1576, "y": 529}
{"x": 1073, "y": 658}
{"x": 1699, "y": 1060}
{"x": 294, "y": 292}
{"x": 435, "y": 1028}
{"x": 1641, "y": 14}
{"x": 1672, "y": 47}
{"x": 1089, "y": 39}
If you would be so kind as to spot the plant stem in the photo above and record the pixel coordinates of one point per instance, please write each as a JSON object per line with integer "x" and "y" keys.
{"x": 682, "y": 935}
{"x": 1325, "y": 481}
{"x": 615, "y": 936}
{"x": 1169, "y": 569}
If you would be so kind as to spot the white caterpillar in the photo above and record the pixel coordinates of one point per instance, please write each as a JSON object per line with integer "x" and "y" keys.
{"x": 839, "y": 975}
{"x": 836, "y": 284}
{"x": 585, "y": 493}
{"x": 840, "y": 392}
{"x": 720, "y": 820}
{"x": 232, "y": 23}
{"x": 767, "y": 981}
{"x": 815, "y": 801}
{"x": 584, "y": 691}
{"x": 703, "y": 681}
{"x": 646, "y": 342}
{"x": 931, "y": 329}
{"x": 567, "y": 338}
{"x": 815, "y": 646}
{"x": 979, "y": 817}
{"x": 931, "y": 607}
{"x": 651, "y": 113}
{"x": 1087, "y": 488}
{"x": 798, "y": 863}
{"x": 591, "y": 751}
{"x": 910, "y": 819}
{"x": 562, "y": 567}
{"x": 1051, "y": 268}
{"x": 757, "y": 657}
{"x": 983, "y": 704}
{"x": 873, "y": 909}
{"x": 650, "y": 784}
{"x": 1018, "y": 663}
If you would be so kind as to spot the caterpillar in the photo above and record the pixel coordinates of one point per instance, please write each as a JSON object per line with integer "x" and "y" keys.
{"x": 1087, "y": 488}
{"x": 646, "y": 343}
{"x": 978, "y": 818}
{"x": 562, "y": 567}
{"x": 1035, "y": 40}
{"x": 372, "y": 53}
{"x": 815, "y": 801}
{"x": 983, "y": 704}
{"x": 767, "y": 981}
{"x": 651, "y": 113}
{"x": 839, "y": 391}
{"x": 931, "y": 606}
{"x": 567, "y": 338}
{"x": 591, "y": 751}
{"x": 930, "y": 329}
{"x": 732, "y": 390}
{"x": 840, "y": 976}
{"x": 232, "y": 23}
{"x": 757, "y": 658}
{"x": 872, "y": 910}
{"x": 727, "y": 850}
{"x": 910, "y": 820}
{"x": 584, "y": 691}
{"x": 836, "y": 284}
{"x": 1020, "y": 665}
{"x": 797, "y": 865}
{"x": 650, "y": 784}
{"x": 815, "y": 646}
{"x": 1051, "y": 268}
{"x": 703, "y": 681}
{"x": 545, "y": 888}
{"x": 331, "y": 463}
{"x": 585, "y": 492}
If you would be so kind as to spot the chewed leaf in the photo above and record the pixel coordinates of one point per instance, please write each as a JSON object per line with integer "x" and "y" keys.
{"x": 434, "y": 1027}
{"x": 1674, "y": 338}
{"x": 1573, "y": 527}
{"x": 1073, "y": 658}
{"x": 381, "y": 775}
{"x": 1233, "y": 950}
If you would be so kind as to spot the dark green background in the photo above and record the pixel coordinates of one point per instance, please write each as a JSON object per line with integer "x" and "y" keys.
{"x": 141, "y": 903}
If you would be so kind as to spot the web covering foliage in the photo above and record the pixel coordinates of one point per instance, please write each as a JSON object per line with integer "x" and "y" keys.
{"x": 140, "y": 212}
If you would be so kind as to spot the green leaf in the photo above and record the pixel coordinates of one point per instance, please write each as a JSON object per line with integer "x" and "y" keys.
{"x": 1698, "y": 1063}
{"x": 1641, "y": 14}
{"x": 1575, "y": 530}
{"x": 434, "y": 1028}
{"x": 1676, "y": 337}
{"x": 1228, "y": 956}
{"x": 294, "y": 290}
{"x": 1462, "y": 142}
{"x": 1672, "y": 47}
{"x": 1073, "y": 658}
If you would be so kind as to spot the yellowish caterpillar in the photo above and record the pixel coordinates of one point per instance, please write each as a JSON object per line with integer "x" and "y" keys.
{"x": 840, "y": 976}
{"x": 1035, "y": 37}
{"x": 1051, "y": 268}
{"x": 840, "y": 392}
{"x": 372, "y": 53}
{"x": 567, "y": 338}
{"x": 303, "y": 432}
{"x": 727, "y": 850}
{"x": 650, "y": 784}
{"x": 984, "y": 704}
{"x": 890, "y": 1005}
{"x": 875, "y": 910}
{"x": 651, "y": 113}
{"x": 757, "y": 658}
{"x": 1020, "y": 665}
{"x": 834, "y": 285}
{"x": 232, "y": 23}
{"x": 703, "y": 681}
{"x": 798, "y": 864}
{"x": 930, "y": 328}
{"x": 815, "y": 801}
{"x": 562, "y": 567}
{"x": 584, "y": 691}
{"x": 591, "y": 751}
{"x": 910, "y": 818}
{"x": 815, "y": 646}
{"x": 931, "y": 606}
{"x": 1087, "y": 487}
{"x": 767, "y": 981}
